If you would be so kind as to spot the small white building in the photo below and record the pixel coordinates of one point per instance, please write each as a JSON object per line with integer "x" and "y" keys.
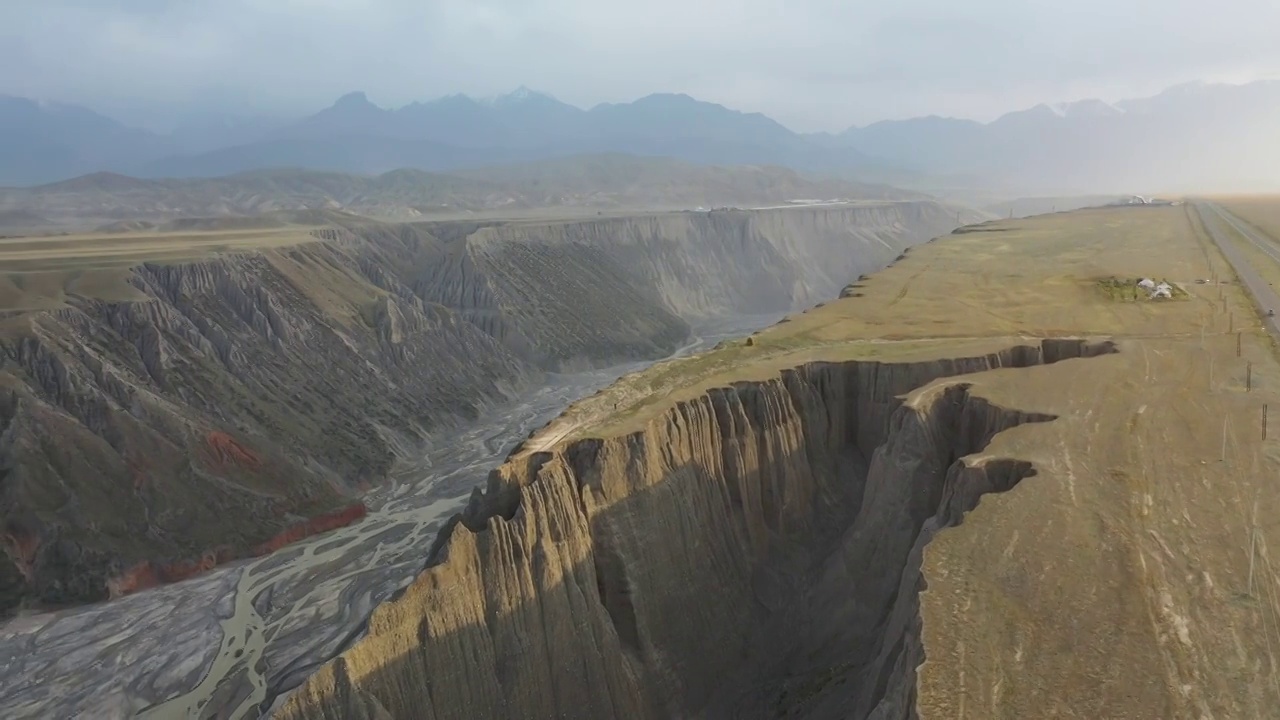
{"x": 1147, "y": 283}
{"x": 1163, "y": 290}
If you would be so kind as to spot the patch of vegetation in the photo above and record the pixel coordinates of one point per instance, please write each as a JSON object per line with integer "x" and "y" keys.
{"x": 1128, "y": 290}
{"x": 982, "y": 227}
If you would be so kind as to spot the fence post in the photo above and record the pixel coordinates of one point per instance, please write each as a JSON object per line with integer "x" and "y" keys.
{"x": 1238, "y": 334}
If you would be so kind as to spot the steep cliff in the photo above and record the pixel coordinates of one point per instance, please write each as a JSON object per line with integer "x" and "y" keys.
{"x": 216, "y": 407}
{"x": 624, "y": 287}
{"x": 751, "y": 553}
{"x": 240, "y": 396}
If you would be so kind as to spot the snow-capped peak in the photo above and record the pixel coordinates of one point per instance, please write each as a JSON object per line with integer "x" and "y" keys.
{"x": 1084, "y": 108}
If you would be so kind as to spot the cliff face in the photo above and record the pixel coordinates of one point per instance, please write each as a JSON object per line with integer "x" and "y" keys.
{"x": 751, "y": 553}
{"x": 623, "y": 287}
{"x": 246, "y": 398}
{"x": 240, "y": 394}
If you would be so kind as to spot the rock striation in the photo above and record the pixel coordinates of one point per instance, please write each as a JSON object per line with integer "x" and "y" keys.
{"x": 653, "y": 273}
{"x": 243, "y": 395}
{"x": 753, "y": 552}
{"x": 245, "y": 398}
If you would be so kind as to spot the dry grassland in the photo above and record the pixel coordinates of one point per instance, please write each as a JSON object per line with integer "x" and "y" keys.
{"x": 1132, "y": 577}
{"x": 1261, "y": 211}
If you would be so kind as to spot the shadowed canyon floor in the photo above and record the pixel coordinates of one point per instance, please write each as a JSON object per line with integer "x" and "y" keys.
{"x": 219, "y": 399}
{"x": 790, "y": 526}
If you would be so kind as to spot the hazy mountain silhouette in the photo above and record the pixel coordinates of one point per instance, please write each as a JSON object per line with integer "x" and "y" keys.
{"x": 43, "y": 142}
{"x": 1190, "y": 137}
{"x": 457, "y": 131}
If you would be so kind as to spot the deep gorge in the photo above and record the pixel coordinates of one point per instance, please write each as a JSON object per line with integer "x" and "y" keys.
{"x": 242, "y": 400}
{"x": 754, "y": 552}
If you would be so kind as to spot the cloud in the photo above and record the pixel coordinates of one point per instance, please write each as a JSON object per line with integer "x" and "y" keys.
{"x": 810, "y": 63}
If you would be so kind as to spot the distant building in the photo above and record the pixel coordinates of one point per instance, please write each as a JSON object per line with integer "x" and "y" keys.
{"x": 1163, "y": 290}
{"x": 1147, "y": 283}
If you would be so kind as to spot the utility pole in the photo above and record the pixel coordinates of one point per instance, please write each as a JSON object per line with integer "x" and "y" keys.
{"x": 1253, "y": 545}
{"x": 1238, "y": 336}
{"x": 1224, "y": 438}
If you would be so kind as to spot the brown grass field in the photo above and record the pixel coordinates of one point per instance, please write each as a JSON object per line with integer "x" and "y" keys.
{"x": 1116, "y": 582}
{"x": 1261, "y": 211}
{"x": 1263, "y": 214}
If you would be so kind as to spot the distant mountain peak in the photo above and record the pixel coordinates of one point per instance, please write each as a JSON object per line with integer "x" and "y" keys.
{"x": 353, "y": 99}
{"x": 671, "y": 98}
{"x": 521, "y": 94}
{"x": 1190, "y": 86}
{"x": 1091, "y": 108}
{"x": 102, "y": 180}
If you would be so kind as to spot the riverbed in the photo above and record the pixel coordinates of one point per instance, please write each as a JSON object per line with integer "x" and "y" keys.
{"x": 232, "y": 642}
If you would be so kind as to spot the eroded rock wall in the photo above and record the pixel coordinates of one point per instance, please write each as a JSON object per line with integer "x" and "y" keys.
{"x": 237, "y": 398}
{"x": 688, "y": 570}
{"x": 628, "y": 285}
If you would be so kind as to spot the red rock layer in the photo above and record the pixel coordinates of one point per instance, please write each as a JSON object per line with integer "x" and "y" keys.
{"x": 149, "y": 574}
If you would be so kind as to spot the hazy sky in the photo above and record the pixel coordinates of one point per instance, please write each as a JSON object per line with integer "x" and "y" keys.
{"x": 812, "y": 64}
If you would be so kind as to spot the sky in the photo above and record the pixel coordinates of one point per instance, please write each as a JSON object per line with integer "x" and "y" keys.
{"x": 811, "y": 64}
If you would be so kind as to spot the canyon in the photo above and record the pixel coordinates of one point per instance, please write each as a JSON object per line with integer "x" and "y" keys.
{"x": 954, "y": 478}
{"x": 245, "y": 389}
{"x": 631, "y": 577}
{"x": 976, "y": 485}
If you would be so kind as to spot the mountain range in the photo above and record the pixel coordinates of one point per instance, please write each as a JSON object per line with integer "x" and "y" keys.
{"x": 1195, "y": 137}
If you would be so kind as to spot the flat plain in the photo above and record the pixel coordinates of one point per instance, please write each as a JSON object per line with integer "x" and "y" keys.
{"x": 1261, "y": 211}
{"x": 38, "y": 272}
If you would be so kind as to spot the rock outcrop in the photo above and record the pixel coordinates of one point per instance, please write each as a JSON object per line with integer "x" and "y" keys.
{"x": 240, "y": 396}
{"x": 754, "y": 552}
